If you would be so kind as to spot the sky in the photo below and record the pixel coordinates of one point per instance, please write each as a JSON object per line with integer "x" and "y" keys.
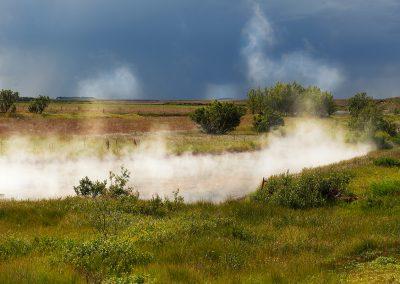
{"x": 190, "y": 49}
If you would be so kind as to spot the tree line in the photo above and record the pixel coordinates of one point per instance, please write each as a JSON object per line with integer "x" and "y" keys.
{"x": 270, "y": 105}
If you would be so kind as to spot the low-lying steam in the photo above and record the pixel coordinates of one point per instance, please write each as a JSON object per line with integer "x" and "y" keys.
{"x": 198, "y": 177}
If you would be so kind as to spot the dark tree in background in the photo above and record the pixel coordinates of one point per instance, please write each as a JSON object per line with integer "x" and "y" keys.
{"x": 219, "y": 117}
{"x": 291, "y": 99}
{"x": 8, "y": 98}
{"x": 39, "y": 104}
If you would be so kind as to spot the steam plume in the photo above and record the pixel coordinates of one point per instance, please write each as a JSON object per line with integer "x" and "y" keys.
{"x": 120, "y": 83}
{"x": 199, "y": 177}
{"x": 263, "y": 69}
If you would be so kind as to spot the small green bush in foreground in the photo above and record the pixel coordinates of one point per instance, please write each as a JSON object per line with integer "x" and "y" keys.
{"x": 98, "y": 258}
{"x": 310, "y": 188}
{"x": 387, "y": 162}
{"x": 385, "y": 187}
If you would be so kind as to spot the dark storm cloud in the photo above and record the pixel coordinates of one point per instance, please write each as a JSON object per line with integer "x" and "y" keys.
{"x": 193, "y": 49}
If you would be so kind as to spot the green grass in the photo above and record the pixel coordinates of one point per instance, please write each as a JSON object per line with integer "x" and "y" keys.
{"x": 237, "y": 241}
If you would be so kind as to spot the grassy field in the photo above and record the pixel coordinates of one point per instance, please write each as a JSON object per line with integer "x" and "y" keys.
{"x": 235, "y": 241}
{"x": 123, "y": 124}
{"x": 128, "y": 240}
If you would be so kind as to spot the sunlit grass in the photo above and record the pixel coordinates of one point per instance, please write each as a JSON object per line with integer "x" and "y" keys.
{"x": 237, "y": 240}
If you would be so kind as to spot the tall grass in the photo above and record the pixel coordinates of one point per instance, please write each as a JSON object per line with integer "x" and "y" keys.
{"x": 242, "y": 241}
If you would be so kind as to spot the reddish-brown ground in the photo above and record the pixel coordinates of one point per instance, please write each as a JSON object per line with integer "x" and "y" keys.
{"x": 71, "y": 126}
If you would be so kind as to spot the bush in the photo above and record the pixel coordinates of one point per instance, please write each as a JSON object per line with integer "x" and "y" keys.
{"x": 264, "y": 122}
{"x": 118, "y": 186}
{"x": 387, "y": 162}
{"x": 101, "y": 258}
{"x": 219, "y": 117}
{"x": 310, "y": 188}
{"x": 382, "y": 140}
{"x": 87, "y": 187}
{"x": 39, "y": 104}
{"x": 385, "y": 187}
{"x": 8, "y": 98}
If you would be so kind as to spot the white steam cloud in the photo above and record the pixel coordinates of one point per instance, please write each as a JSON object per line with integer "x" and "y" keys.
{"x": 120, "y": 83}
{"x": 199, "y": 177}
{"x": 299, "y": 66}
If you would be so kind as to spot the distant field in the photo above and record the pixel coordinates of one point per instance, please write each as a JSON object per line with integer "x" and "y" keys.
{"x": 124, "y": 121}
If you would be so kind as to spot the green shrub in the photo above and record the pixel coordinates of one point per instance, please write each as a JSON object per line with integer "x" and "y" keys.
{"x": 387, "y": 162}
{"x": 129, "y": 279}
{"x": 264, "y": 122}
{"x": 102, "y": 258}
{"x": 87, "y": 187}
{"x": 8, "y": 98}
{"x": 385, "y": 187}
{"x": 118, "y": 186}
{"x": 382, "y": 140}
{"x": 105, "y": 216}
{"x": 219, "y": 117}
{"x": 39, "y": 104}
{"x": 14, "y": 247}
{"x": 310, "y": 188}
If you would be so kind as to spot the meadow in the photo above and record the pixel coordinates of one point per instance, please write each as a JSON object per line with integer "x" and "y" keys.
{"x": 129, "y": 240}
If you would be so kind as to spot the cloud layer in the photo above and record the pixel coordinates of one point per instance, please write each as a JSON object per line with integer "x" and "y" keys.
{"x": 179, "y": 48}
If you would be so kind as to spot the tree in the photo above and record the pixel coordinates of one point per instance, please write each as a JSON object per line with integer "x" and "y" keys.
{"x": 291, "y": 99}
{"x": 358, "y": 103}
{"x": 39, "y": 104}
{"x": 8, "y": 98}
{"x": 314, "y": 101}
{"x": 366, "y": 117}
{"x": 218, "y": 117}
{"x": 256, "y": 101}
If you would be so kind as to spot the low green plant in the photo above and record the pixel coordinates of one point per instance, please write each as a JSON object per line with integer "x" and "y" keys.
{"x": 387, "y": 162}
{"x": 118, "y": 186}
{"x": 310, "y": 188}
{"x": 385, "y": 187}
{"x": 100, "y": 258}
{"x": 90, "y": 188}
